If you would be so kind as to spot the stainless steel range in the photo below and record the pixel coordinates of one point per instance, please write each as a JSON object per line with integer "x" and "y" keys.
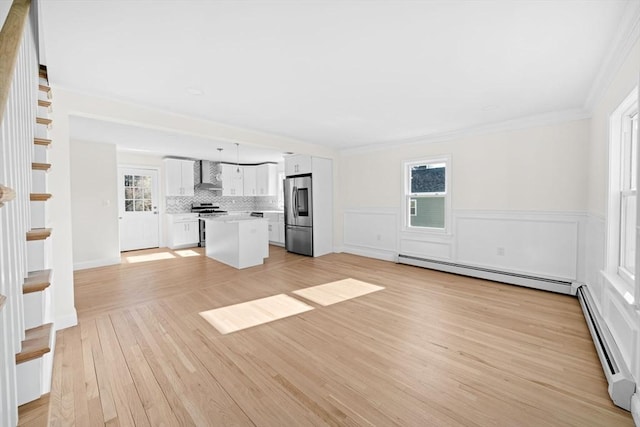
{"x": 205, "y": 210}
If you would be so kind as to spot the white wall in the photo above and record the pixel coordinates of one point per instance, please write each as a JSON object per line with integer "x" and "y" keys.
{"x": 541, "y": 169}
{"x": 621, "y": 317}
{"x": 520, "y": 191}
{"x": 94, "y": 204}
{"x": 60, "y": 213}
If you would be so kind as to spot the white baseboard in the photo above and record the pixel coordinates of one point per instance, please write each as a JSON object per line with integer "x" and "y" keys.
{"x": 381, "y": 254}
{"x": 66, "y": 321}
{"x": 635, "y": 408}
{"x": 96, "y": 263}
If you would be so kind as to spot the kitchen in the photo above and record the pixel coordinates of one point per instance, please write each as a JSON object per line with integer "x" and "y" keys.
{"x": 257, "y": 188}
{"x": 94, "y": 177}
{"x": 224, "y": 193}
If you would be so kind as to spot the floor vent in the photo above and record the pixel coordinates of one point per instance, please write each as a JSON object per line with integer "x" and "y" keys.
{"x": 621, "y": 384}
{"x": 560, "y": 286}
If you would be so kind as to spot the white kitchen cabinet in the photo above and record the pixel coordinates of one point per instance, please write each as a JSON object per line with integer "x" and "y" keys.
{"x": 232, "y": 180}
{"x": 297, "y": 164}
{"x": 276, "y": 227}
{"x": 266, "y": 180}
{"x": 249, "y": 175}
{"x": 183, "y": 230}
{"x": 179, "y": 177}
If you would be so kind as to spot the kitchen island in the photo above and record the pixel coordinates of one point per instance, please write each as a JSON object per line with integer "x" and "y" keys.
{"x": 238, "y": 241}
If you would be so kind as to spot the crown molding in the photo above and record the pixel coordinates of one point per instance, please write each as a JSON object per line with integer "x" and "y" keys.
{"x": 626, "y": 37}
{"x": 508, "y": 125}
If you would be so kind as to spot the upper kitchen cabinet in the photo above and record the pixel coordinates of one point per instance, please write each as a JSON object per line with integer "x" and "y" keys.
{"x": 249, "y": 180}
{"x": 297, "y": 164}
{"x": 232, "y": 180}
{"x": 266, "y": 180}
{"x": 179, "y": 177}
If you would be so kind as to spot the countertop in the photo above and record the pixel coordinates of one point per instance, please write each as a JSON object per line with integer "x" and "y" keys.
{"x": 233, "y": 218}
{"x": 232, "y": 213}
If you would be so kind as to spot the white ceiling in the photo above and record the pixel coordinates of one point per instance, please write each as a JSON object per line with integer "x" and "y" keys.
{"x": 336, "y": 73}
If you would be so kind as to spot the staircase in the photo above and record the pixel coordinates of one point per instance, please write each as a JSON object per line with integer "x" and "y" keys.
{"x": 34, "y": 363}
{"x": 27, "y": 332}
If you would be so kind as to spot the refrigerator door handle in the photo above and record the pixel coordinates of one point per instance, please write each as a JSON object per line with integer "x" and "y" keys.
{"x": 295, "y": 201}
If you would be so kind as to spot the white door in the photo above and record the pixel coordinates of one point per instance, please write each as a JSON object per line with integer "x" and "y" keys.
{"x": 138, "y": 209}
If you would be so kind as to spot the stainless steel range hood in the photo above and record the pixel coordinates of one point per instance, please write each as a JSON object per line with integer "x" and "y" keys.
{"x": 208, "y": 175}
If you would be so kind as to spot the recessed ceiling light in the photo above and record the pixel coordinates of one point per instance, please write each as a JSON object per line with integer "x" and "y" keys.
{"x": 195, "y": 91}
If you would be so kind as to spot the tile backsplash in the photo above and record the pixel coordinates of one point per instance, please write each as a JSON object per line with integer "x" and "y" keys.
{"x": 179, "y": 204}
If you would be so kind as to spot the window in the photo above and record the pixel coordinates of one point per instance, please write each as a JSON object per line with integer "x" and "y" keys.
{"x": 622, "y": 215}
{"x": 628, "y": 198}
{"x": 426, "y": 204}
{"x": 137, "y": 193}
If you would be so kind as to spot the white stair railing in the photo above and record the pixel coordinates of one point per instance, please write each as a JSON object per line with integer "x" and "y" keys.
{"x": 18, "y": 101}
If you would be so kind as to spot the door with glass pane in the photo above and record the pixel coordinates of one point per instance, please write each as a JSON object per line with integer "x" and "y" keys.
{"x": 138, "y": 208}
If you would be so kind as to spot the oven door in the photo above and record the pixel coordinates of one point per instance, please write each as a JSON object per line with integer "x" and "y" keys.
{"x": 202, "y": 242}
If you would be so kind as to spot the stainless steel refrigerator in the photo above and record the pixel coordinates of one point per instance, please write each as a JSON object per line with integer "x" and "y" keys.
{"x": 298, "y": 215}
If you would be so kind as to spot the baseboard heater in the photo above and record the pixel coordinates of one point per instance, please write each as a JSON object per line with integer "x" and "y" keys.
{"x": 621, "y": 384}
{"x": 560, "y": 286}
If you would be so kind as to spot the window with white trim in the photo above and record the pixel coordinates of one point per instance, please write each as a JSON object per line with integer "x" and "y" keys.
{"x": 426, "y": 201}
{"x": 622, "y": 213}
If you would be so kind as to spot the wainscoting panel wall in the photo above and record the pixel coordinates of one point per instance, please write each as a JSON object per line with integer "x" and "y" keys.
{"x": 621, "y": 317}
{"x": 427, "y": 247}
{"x": 534, "y": 245}
{"x": 541, "y": 244}
{"x": 372, "y": 233}
{"x": 621, "y": 324}
{"x": 595, "y": 258}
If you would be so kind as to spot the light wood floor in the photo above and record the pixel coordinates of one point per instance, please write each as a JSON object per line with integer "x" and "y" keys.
{"x": 432, "y": 349}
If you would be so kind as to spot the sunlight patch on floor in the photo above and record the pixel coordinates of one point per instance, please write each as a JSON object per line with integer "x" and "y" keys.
{"x": 252, "y": 313}
{"x": 187, "y": 252}
{"x": 334, "y": 292}
{"x": 146, "y": 258}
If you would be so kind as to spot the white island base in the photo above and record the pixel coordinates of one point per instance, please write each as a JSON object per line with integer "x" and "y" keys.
{"x": 240, "y": 242}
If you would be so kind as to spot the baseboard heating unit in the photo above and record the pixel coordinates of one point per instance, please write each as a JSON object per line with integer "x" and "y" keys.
{"x": 621, "y": 384}
{"x": 560, "y": 286}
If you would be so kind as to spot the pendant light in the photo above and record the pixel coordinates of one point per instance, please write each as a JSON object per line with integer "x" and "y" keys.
{"x": 237, "y": 158}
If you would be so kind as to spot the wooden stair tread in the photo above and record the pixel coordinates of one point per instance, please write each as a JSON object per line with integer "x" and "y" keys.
{"x": 37, "y": 281}
{"x": 41, "y": 166}
{"x": 43, "y": 121}
{"x": 44, "y": 88}
{"x": 35, "y": 413}
{"x": 39, "y": 197}
{"x": 38, "y": 234}
{"x": 3, "y": 299}
{"x": 36, "y": 343}
{"x": 42, "y": 141}
{"x": 44, "y": 103}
